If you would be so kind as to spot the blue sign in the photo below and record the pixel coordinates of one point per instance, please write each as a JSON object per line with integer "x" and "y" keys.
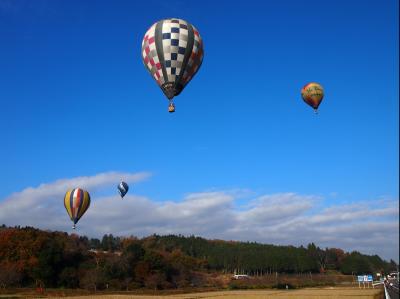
{"x": 364, "y": 278}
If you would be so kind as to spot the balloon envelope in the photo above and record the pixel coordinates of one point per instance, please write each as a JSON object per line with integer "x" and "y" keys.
{"x": 123, "y": 189}
{"x": 312, "y": 93}
{"x": 172, "y": 52}
{"x": 76, "y": 202}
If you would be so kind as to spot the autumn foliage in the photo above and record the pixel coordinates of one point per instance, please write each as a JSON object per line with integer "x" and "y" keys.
{"x": 32, "y": 257}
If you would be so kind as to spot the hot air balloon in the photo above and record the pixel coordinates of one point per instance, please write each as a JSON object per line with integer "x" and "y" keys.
{"x": 76, "y": 202}
{"x": 312, "y": 94}
{"x": 123, "y": 189}
{"x": 172, "y": 52}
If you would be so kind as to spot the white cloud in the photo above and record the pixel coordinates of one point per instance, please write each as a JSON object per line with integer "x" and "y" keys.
{"x": 285, "y": 218}
{"x": 43, "y": 206}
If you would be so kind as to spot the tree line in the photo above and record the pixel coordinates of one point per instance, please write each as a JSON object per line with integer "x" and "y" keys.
{"x": 31, "y": 257}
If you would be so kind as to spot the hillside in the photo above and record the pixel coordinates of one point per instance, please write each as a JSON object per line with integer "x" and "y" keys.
{"x": 31, "y": 257}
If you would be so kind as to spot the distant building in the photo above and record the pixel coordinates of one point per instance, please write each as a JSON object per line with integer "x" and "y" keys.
{"x": 241, "y": 276}
{"x": 95, "y": 251}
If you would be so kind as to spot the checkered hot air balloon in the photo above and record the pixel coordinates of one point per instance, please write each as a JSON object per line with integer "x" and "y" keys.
{"x": 76, "y": 202}
{"x": 312, "y": 93}
{"x": 172, "y": 52}
{"x": 123, "y": 189}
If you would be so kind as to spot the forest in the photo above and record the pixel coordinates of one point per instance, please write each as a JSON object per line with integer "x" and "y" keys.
{"x": 29, "y": 256}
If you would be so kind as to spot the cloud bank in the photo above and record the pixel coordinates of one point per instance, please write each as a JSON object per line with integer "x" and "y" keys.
{"x": 284, "y": 219}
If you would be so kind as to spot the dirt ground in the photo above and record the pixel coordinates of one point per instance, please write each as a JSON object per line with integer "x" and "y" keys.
{"x": 312, "y": 293}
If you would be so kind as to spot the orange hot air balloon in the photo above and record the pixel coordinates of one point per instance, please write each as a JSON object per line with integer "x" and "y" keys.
{"x": 313, "y": 93}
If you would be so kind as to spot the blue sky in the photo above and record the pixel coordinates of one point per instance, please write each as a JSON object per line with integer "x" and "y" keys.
{"x": 77, "y": 101}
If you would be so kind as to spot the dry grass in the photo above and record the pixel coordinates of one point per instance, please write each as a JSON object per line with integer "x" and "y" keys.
{"x": 312, "y": 293}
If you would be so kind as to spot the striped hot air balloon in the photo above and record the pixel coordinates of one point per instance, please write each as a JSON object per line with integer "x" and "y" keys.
{"x": 312, "y": 93}
{"x": 172, "y": 52}
{"x": 76, "y": 202}
{"x": 123, "y": 189}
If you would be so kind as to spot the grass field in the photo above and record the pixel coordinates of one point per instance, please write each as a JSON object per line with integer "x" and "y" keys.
{"x": 311, "y": 293}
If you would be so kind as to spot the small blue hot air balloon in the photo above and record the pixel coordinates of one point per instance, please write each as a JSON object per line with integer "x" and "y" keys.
{"x": 123, "y": 189}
